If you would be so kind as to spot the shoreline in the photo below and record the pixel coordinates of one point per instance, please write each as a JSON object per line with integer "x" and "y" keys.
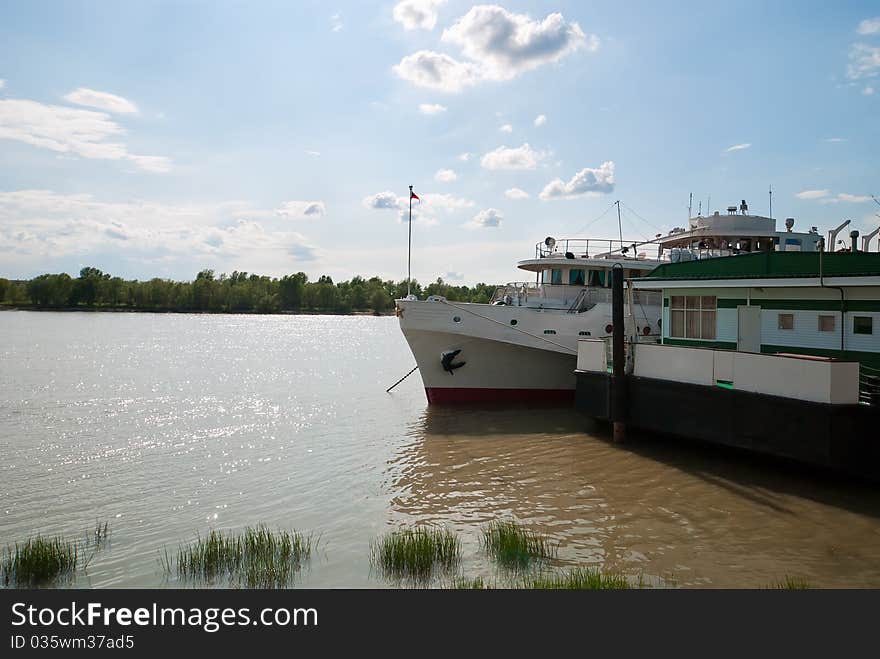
{"x": 303, "y": 312}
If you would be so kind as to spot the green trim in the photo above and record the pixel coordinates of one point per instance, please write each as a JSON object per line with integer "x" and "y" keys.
{"x": 731, "y": 303}
{"x": 762, "y": 265}
{"x": 665, "y": 301}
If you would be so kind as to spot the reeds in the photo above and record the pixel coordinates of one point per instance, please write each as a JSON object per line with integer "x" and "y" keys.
{"x": 791, "y": 583}
{"x": 578, "y": 579}
{"x": 416, "y": 554}
{"x": 254, "y": 558}
{"x": 39, "y": 561}
{"x": 514, "y": 546}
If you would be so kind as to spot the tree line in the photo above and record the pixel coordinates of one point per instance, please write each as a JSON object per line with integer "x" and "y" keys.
{"x": 237, "y": 292}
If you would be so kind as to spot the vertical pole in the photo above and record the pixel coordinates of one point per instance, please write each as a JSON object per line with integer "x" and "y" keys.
{"x": 771, "y": 202}
{"x": 409, "y": 247}
{"x": 619, "y": 226}
{"x": 618, "y": 374}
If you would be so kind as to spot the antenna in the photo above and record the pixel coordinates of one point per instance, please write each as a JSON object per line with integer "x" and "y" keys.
{"x": 690, "y": 204}
{"x": 709, "y": 205}
{"x": 771, "y": 201}
{"x": 700, "y": 211}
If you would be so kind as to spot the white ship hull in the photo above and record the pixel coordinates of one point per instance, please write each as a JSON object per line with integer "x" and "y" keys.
{"x": 508, "y": 353}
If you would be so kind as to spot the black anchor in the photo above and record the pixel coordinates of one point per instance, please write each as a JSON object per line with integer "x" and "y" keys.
{"x": 446, "y": 361}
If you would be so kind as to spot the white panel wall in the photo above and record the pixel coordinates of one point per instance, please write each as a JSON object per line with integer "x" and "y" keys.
{"x": 691, "y": 365}
{"x": 804, "y": 379}
{"x": 723, "y": 365}
{"x": 815, "y": 380}
{"x": 592, "y": 356}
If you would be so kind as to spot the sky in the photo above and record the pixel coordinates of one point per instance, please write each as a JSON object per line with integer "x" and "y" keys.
{"x": 157, "y": 139}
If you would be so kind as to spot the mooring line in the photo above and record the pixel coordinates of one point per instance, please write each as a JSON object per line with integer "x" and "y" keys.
{"x": 388, "y": 390}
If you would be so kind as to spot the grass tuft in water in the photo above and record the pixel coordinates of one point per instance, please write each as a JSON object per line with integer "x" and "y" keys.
{"x": 578, "y": 579}
{"x": 99, "y": 537}
{"x": 464, "y": 583}
{"x": 40, "y": 561}
{"x": 791, "y": 583}
{"x": 416, "y": 553}
{"x": 255, "y": 558}
{"x": 514, "y": 546}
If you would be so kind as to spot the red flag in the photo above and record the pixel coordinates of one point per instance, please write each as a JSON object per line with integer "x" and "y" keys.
{"x": 413, "y": 195}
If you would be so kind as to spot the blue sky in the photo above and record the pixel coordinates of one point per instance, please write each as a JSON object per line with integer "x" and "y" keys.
{"x": 161, "y": 138}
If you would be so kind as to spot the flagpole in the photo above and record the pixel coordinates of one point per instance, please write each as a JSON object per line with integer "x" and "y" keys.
{"x": 409, "y": 247}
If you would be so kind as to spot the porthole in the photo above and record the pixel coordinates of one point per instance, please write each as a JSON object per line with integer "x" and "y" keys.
{"x": 456, "y": 319}
{"x": 513, "y": 321}
{"x": 549, "y": 331}
{"x": 609, "y": 329}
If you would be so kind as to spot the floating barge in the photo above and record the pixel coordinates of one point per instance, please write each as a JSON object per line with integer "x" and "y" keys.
{"x": 777, "y": 353}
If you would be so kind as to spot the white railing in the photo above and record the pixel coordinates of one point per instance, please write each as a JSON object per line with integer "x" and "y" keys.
{"x": 598, "y": 248}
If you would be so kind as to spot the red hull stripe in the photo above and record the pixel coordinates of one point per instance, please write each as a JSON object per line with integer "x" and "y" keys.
{"x": 467, "y": 395}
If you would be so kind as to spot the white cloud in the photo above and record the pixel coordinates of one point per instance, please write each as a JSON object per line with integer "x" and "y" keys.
{"x": 498, "y": 45}
{"x": 445, "y": 175}
{"x": 2, "y": 83}
{"x": 316, "y": 154}
{"x": 37, "y": 226}
{"x": 431, "y": 108}
{"x": 540, "y": 120}
{"x": 521, "y": 157}
{"x": 846, "y": 198}
{"x": 301, "y": 209}
{"x": 417, "y": 14}
{"x": 336, "y": 23}
{"x": 812, "y": 194}
{"x": 868, "y": 91}
{"x": 464, "y": 157}
{"x": 591, "y": 181}
{"x": 488, "y": 218}
{"x": 836, "y": 139}
{"x": 738, "y": 147}
{"x": 869, "y": 26}
{"x": 382, "y": 200}
{"x": 426, "y": 68}
{"x": 424, "y": 210}
{"x": 506, "y": 128}
{"x": 71, "y": 131}
{"x": 516, "y": 193}
{"x": 101, "y": 100}
{"x": 505, "y": 44}
{"x": 864, "y": 61}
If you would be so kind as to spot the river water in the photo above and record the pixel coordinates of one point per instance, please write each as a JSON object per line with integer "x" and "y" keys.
{"x": 169, "y": 425}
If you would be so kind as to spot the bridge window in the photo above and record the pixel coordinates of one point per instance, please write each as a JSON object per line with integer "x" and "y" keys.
{"x": 576, "y": 277}
{"x": 693, "y": 316}
{"x": 556, "y": 276}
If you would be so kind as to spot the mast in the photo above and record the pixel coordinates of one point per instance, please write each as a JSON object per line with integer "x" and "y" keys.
{"x": 690, "y": 205}
{"x": 619, "y": 226}
{"x": 409, "y": 247}
{"x": 771, "y": 202}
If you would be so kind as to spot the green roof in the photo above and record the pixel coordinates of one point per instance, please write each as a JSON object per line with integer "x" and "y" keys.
{"x": 766, "y": 265}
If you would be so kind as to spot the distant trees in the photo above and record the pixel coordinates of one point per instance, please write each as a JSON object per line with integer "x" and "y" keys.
{"x": 237, "y": 292}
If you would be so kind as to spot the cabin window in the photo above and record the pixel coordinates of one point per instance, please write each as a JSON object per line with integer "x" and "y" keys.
{"x": 827, "y": 323}
{"x": 576, "y": 277}
{"x": 863, "y": 325}
{"x": 556, "y": 276}
{"x": 786, "y": 321}
{"x": 693, "y": 316}
{"x": 596, "y": 278}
